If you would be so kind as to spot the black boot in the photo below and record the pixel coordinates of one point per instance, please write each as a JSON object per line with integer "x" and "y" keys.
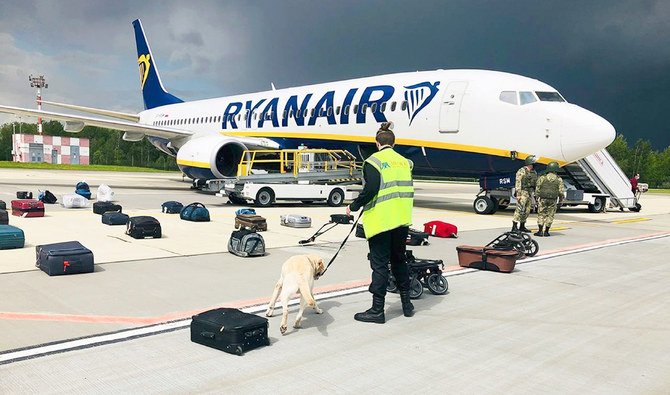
{"x": 407, "y": 306}
{"x": 539, "y": 231}
{"x": 514, "y": 226}
{"x": 523, "y": 228}
{"x": 375, "y": 313}
{"x": 546, "y": 231}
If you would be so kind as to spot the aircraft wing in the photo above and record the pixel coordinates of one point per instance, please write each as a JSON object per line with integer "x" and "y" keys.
{"x": 98, "y": 111}
{"x": 126, "y": 126}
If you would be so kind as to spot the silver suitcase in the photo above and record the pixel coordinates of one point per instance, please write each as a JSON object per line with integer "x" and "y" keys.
{"x": 296, "y": 221}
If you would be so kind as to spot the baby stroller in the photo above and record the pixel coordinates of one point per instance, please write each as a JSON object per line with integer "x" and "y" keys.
{"x": 515, "y": 240}
{"x": 422, "y": 273}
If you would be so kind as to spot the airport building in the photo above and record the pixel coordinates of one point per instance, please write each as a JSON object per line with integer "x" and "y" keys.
{"x": 50, "y": 149}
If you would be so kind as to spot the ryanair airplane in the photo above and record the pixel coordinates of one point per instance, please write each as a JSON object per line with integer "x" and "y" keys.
{"x": 463, "y": 123}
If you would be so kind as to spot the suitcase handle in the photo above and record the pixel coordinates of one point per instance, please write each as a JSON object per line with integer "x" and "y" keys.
{"x": 207, "y": 335}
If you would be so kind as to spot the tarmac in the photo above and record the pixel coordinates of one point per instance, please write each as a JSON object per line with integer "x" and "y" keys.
{"x": 588, "y": 314}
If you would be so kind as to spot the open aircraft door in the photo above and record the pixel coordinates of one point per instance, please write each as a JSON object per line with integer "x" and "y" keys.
{"x": 450, "y": 109}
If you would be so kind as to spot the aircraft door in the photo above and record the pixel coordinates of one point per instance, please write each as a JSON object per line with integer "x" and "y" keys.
{"x": 450, "y": 109}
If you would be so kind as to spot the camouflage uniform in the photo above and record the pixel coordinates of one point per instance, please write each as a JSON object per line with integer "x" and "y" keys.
{"x": 547, "y": 207}
{"x": 523, "y": 195}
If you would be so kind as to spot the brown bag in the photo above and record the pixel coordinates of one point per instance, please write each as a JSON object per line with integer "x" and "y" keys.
{"x": 251, "y": 221}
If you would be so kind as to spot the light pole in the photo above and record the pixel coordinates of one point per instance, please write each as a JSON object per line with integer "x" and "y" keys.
{"x": 39, "y": 83}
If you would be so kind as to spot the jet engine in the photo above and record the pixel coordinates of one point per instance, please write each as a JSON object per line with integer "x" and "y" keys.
{"x": 211, "y": 156}
{"x": 72, "y": 126}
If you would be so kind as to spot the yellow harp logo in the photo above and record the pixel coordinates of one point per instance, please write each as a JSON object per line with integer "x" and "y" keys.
{"x": 144, "y": 64}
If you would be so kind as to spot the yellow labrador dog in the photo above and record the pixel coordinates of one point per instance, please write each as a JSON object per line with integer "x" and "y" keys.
{"x": 297, "y": 275}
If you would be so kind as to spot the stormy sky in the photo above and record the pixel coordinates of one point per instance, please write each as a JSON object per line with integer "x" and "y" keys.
{"x": 609, "y": 56}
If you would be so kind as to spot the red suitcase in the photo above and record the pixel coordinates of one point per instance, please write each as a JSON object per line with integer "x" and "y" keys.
{"x": 27, "y": 208}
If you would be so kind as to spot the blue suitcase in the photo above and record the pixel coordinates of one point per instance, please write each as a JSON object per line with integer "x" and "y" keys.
{"x": 114, "y": 218}
{"x": 69, "y": 257}
{"x": 11, "y": 237}
{"x": 4, "y": 217}
{"x": 171, "y": 207}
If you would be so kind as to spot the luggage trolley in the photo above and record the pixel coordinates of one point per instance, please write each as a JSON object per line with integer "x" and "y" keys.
{"x": 422, "y": 273}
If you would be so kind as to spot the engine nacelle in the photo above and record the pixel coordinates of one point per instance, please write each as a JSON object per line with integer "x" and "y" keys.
{"x": 72, "y": 126}
{"x": 208, "y": 157}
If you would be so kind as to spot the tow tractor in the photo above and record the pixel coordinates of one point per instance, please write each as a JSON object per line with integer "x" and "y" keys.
{"x": 305, "y": 175}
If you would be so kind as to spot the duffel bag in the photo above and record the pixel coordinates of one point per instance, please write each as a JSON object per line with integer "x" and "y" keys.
{"x": 196, "y": 212}
{"x": 416, "y": 238}
{"x": 47, "y": 197}
{"x": 245, "y": 211}
{"x": 246, "y": 243}
{"x": 114, "y": 218}
{"x": 24, "y": 195}
{"x": 103, "y": 207}
{"x": 440, "y": 229}
{"x": 143, "y": 226}
{"x": 171, "y": 207}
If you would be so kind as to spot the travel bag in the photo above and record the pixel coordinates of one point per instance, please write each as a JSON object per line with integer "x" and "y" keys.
{"x": 440, "y": 229}
{"x": 69, "y": 257}
{"x": 105, "y": 193}
{"x": 47, "y": 197}
{"x": 295, "y": 221}
{"x": 114, "y": 218}
{"x": 416, "y": 238}
{"x": 72, "y": 200}
{"x": 4, "y": 217}
{"x": 246, "y": 243}
{"x": 143, "y": 226}
{"x": 82, "y": 189}
{"x": 245, "y": 211}
{"x": 3, "y": 205}
{"x": 27, "y": 208}
{"x": 11, "y": 237}
{"x": 485, "y": 258}
{"x": 103, "y": 207}
{"x": 229, "y": 330}
{"x": 171, "y": 207}
{"x": 250, "y": 221}
{"x": 196, "y": 212}
{"x": 24, "y": 195}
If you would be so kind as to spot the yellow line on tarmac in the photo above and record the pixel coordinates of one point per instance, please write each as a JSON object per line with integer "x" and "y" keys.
{"x": 627, "y": 221}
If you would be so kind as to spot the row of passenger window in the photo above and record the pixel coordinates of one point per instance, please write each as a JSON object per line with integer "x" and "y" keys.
{"x": 298, "y": 114}
{"x": 529, "y": 97}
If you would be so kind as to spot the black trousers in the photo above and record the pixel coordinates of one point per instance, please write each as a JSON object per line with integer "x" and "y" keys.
{"x": 388, "y": 247}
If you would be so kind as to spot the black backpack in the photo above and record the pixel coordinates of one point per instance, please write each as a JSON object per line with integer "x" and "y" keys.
{"x": 47, "y": 197}
{"x": 246, "y": 243}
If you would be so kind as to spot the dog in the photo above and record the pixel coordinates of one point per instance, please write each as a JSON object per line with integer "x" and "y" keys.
{"x": 297, "y": 275}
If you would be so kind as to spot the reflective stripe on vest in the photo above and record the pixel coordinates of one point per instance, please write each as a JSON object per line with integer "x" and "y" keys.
{"x": 392, "y": 206}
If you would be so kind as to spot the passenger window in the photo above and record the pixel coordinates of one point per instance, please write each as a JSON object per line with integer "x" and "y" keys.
{"x": 322, "y": 112}
{"x": 508, "y": 97}
{"x": 311, "y": 113}
{"x": 526, "y": 97}
{"x": 393, "y": 106}
{"x": 404, "y": 105}
{"x": 255, "y": 116}
{"x": 382, "y": 108}
{"x": 373, "y": 108}
{"x": 355, "y": 109}
{"x": 337, "y": 110}
{"x": 330, "y": 111}
{"x": 346, "y": 110}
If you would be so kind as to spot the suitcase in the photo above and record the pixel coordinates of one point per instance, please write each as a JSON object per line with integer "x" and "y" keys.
{"x": 251, "y": 221}
{"x": 103, "y": 207}
{"x": 11, "y": 237}
{"x": 114, "y": 218}
{"x": 4, "y": 217}
{"x": 484, "y": 258}
{"x": 73, "y": 200}
{"x": 143, "y": 226}
{"x": 69, "y": 257}
{"x": 295, "y": 221}
{"x": 440, "y": 229}
{"x": 3, "y": 205}
{"x": 27, "y": 208}
{"x": 171, "y": 207}
{"x": 229, "y": 330}
{"x": 416, "y": 238}
{"x": 24, "y": 195}
{"x": 105, "y": 193}
{"x": 246, "y": 243}
{"x": 47, "y": 197}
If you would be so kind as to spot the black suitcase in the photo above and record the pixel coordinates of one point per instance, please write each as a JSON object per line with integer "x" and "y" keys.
{"x": 416, "y": 238}
{"x": 230, "y": 330}
{"x": 171, "y": 207}
{"x": 69, "y": 257}
{"x": 24, "y": 195}
{"x": 4, "y": 217}
{"x": 103, "y": 207}
{"x": 143, "y": 226}
{"x": 114, "y": 218}
{"x": 3, "y": 205}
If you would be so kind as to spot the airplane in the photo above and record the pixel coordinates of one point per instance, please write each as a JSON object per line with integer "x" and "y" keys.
{"x": 460, "y": 123}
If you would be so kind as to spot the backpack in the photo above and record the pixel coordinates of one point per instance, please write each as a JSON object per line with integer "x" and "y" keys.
{"x": 246, "y": 243}
{"x": 196, "y": 212}
{"x": 549, "y": 189}
{"x": 171, "y": 207}
{"x": 440, "y": 229}
{"x": 47, "y": 197}
{"x": 245, "y": 211}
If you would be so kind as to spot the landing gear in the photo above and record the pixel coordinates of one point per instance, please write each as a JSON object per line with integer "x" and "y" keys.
{"x": 485, "y": 205}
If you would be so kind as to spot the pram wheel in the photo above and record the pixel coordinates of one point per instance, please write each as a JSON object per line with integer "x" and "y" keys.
{"x": 437, "y": 284}
{"x": 415, "y": 288}
{"x": 531, "y": 247}
{"x": 391, "y": 286}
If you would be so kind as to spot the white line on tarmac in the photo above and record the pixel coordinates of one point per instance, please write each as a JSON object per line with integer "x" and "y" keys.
{"x": 31, "y": 352}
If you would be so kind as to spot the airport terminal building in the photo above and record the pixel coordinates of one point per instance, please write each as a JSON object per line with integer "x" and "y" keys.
{"x": 50, "y": 149}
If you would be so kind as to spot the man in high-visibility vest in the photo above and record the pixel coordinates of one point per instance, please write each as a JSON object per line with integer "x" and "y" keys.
{"x": 387, "y": 200}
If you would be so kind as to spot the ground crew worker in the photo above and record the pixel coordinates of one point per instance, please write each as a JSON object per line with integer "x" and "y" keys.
{"x": 549, "y": 191}
{"x": 526, "y": 179}
{"x": 387, "y": 200}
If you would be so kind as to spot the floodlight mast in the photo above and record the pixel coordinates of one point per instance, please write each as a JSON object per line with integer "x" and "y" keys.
{"x": 39, "y": 83}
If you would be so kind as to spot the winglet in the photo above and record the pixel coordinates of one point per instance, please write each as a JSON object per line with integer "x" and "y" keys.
{"x": 153, "y": 92}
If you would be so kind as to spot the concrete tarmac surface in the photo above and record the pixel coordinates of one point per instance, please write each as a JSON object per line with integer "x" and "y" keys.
{"x": 587, "y": 315}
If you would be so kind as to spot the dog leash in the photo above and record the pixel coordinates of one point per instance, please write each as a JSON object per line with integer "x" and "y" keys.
{"x": 342, "y": 245}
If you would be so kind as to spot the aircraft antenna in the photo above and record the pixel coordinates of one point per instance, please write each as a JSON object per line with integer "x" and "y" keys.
{"x": 272, "y": 84}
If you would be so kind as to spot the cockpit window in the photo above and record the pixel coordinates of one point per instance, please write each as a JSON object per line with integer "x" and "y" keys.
{"x": 549, "y": 96}
{"x": 526, "y": 97}
{"x": 508, "y": 97}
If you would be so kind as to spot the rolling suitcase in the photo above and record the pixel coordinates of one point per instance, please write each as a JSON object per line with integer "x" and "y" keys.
{"x": 73, "y": 200}
{"x": 171, "y": 207}
{"x": 69, "y": 257}
{"x": 295, "y": 221}
{"x": 11, "y": 237}
{"x": 47, "y": 197}
{"x": 114, "y": 218}
{"x": 143, "y": 226}
{"x": 103, "y": 207}
{"x": 27, "y": 208}
{"x": 24, "y": 195}
{"x": 251, "y": 221}
{"x": 229, "y": 330}
{"x": 486, "y": 258}
{"x": 4, "y": 217}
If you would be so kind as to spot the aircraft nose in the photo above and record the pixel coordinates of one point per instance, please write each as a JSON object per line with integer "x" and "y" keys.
{"x": 584, "y": 133}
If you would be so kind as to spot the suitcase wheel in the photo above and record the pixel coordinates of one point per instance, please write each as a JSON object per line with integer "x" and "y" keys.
{"x": 238, "y": 350}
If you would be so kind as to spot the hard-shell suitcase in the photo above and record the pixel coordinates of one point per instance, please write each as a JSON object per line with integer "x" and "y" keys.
{"x": 103, "y": 207}
{"x": 171, "y": 207}
{"x": 4, "y": 217}
{"x": 486, "y": 258}
{"x": 24, "y": 195}
{"x": 69, "y": 257}
{"x": 11, "y": 237}
{"x": 295, "y": 221}
{"x": 246, "y": 243}
{"x": 114, "y": 218}
{"x": 143, "y": 226}
{"x": 72, "y": 200}
{"x": 27, "y": 208}
{"x": 3, "y": 205}
{"x": 229, "y": 330}
{"x": 251, "y": 221}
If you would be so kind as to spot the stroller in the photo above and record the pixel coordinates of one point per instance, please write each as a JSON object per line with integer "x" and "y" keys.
{"x": 422, "y": 273}
{"x": 515, "y": 240}
{"x": 335, "y": 219}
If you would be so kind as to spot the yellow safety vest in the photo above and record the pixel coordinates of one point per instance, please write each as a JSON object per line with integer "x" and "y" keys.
{"x": 392, "y": 206}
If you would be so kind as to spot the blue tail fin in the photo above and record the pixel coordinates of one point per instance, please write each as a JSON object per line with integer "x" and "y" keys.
{"x": 152, "y": 88}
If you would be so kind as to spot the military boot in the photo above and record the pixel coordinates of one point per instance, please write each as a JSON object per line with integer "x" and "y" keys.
{"x": 523, "y": 228}
{"x": 539, "y": 232}
{"x": 546, "y": 231}
{"x": 375, "y": 313}
{"x": 407, "y": 306}
{"x": 514, "y": 226}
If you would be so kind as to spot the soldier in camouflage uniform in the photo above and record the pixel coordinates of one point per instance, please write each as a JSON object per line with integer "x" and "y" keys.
{"x": 526, "y": 178}
{"x": 549, "y": 191}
